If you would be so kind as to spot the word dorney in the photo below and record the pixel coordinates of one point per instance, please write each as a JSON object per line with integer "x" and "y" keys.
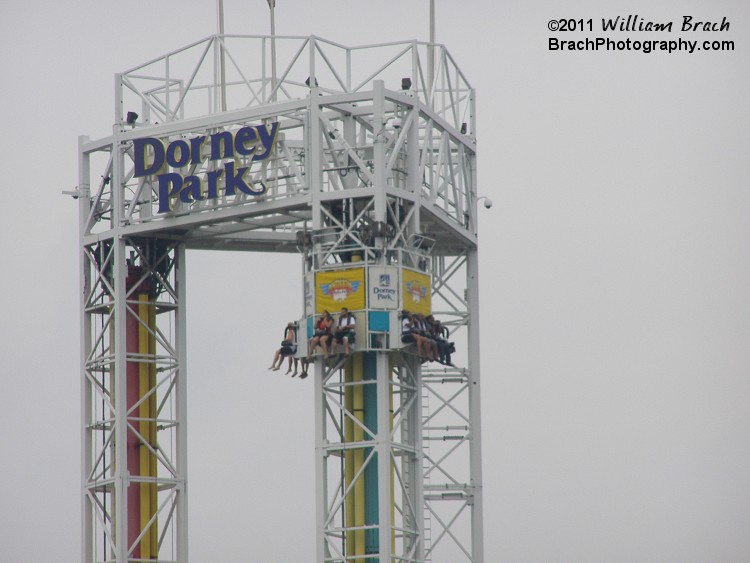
{"x": 152, "y": 157}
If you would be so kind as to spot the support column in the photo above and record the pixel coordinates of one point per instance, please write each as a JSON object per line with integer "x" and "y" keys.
{"x": 383, "y": 447}
{"x": 413, "y": 462}
{"x": 379, "y": 142}
{"x": 181, "y": 534}
{"x": 370, "y": 407}
{"x": 84, "y": 202}
{"x": 475, "y": 445}
{"x": 321, "y": 475}
{"x": 118, "y": 342}
{"x": 119, "y": 346}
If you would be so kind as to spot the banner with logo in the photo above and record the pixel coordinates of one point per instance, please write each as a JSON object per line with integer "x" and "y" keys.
{"x": 383, "y": 287}
{"x": 342, "y": 288}
{"x": 415, "y": 288}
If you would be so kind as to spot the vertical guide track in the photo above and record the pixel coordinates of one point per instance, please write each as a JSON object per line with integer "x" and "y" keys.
{"x": 361, "y": 508}
{"x": 141, "y": 375}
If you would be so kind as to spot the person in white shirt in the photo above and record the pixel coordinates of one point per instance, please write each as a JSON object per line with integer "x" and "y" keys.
{"x": 345, "y": 329}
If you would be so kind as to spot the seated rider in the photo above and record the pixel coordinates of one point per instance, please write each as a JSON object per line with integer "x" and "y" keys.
{"x": 444, "y": 347}
{"x": 321, "y": 335}
{"x": 410, "y": 332}
{"x": 425, "y": 330}
{"x": 288, "y": 349}
{"x": 345, "y": 328}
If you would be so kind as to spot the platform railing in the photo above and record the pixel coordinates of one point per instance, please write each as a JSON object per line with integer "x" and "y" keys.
{"x": 187, "y": 83}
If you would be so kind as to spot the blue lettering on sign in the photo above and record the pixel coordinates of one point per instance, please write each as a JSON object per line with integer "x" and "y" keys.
{"x": 384, "y": 294}
{"x": 256, "y": 142}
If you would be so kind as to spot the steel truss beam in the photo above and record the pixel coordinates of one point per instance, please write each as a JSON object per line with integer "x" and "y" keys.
{"x": 451, "y": 421}
{"x": 125, "y": 418}
{"x": 439, "y": 155}
{"x": 392, "y": 446}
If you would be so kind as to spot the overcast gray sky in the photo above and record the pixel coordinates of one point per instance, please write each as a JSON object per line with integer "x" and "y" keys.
{"x": 615, "y": 278}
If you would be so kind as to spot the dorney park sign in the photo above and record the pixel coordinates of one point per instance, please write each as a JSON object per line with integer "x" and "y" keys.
{"x": 154, "y": 158}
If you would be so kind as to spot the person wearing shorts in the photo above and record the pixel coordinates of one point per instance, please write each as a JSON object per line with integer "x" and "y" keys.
{"x": 288, "y": 349}
{"x": 345, "y": 329}
{"x": 321, "y": 335}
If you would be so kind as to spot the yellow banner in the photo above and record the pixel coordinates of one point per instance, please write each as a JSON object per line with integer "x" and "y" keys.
{"x": 343, "y": 288}
{"x": 415, "y": 288}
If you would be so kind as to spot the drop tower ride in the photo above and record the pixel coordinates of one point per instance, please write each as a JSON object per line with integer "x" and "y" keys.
{"x": 368, "y": 171}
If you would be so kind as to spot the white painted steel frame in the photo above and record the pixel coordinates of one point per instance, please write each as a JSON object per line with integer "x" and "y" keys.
{"x": 397, "y": 449}
{"x": 107, "y": 420}
{"x": 452, "y": 420}
{"x": 445, "y": 202}
{"x": 186, "y": 83}
{"x": 410, "y": 153}
{"x": 447, "y": 186}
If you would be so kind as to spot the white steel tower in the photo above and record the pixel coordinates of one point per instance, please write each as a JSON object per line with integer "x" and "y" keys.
{"x": 366, "y": 169}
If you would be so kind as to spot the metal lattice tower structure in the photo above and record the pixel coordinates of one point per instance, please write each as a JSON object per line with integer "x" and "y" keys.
{"x": 357, "y": 158}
